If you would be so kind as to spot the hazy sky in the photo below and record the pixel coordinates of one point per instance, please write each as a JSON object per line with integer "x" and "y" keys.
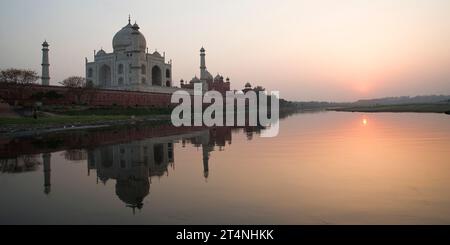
{"x": 308, "y": 50}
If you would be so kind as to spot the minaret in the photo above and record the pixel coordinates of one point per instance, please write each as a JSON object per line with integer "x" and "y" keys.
{"x": 202, "y": 64}
{"x": 45, "y": 76}
{"x": 135, "y": 49}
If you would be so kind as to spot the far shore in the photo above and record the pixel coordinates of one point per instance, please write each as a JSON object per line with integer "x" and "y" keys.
{"x": 418, "y": 108}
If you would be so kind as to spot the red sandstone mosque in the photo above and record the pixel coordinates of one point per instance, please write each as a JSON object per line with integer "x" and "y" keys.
{"x": 206, "y": 79}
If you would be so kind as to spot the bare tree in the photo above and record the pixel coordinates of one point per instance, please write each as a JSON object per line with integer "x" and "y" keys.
{"x": 18, "y": 76}
{"x": 79, "y": 87}
{"x": 74, "y": 82}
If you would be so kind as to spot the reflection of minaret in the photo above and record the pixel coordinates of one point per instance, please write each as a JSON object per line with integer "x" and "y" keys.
{"x": 46, "y": 159}
{"x": 206, "y": 150}
{"x": 170, "y": 155}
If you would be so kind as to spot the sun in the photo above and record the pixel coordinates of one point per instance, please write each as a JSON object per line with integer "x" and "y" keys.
{"x": 365, "y": 121}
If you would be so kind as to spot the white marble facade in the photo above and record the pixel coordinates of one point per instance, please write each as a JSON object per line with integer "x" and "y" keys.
{"x": 130, "y": 66}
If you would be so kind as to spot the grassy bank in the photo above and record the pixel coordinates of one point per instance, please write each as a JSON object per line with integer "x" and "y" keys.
{"x": 76, "y": 116}
{"x": 70, "y": 117}
{"x": 60, "y": 120}
{"x": 421, "y": 108}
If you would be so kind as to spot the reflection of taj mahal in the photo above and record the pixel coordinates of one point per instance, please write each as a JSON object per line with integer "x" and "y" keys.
{"x": 131, "y": 165}
{"x": 134, "y": 164}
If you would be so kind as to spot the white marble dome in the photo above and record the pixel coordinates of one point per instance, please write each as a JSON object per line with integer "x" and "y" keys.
{"x": 124, "y": 38}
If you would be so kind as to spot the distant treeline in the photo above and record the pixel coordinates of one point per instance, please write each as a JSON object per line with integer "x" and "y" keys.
{"x": 310, "y": 105}
{"x": 424, "y": 99}
{"x": 402, "y": 100}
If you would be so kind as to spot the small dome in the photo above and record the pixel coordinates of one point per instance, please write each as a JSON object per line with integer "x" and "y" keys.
{"x": 218, "y": 78}
{"x": 208, "y": 75}
{"x": 202, "y": 50}
{"x": 195, "y": 80}
{"x": 124, "y": 38}
{"x": 45, "y": 44}
{"x": 248, "y": 85}
{"x": 101, "y": 52}
{"x": 156, "y": 53}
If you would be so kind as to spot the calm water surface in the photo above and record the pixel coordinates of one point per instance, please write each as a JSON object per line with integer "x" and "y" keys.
{"x": 323, "y": 168}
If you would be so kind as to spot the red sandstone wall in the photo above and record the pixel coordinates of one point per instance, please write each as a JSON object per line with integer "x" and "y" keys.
{"x": 16, "y": 94}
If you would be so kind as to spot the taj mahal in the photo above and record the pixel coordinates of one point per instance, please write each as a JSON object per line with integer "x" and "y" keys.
{"x": 130, "y": 75}
{"x": 131, "y": 67}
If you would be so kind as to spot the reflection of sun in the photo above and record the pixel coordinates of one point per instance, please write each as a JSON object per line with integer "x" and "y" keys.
{"x": 365, "y": 121}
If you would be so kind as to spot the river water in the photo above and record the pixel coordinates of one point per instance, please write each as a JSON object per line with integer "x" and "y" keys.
{"x": 322, "y": 168}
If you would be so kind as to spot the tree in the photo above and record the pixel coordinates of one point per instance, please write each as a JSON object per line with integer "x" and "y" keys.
{"x": 79, "y": 87}
{"x": 74, "y": 82}
{"x": 18, "y": 76}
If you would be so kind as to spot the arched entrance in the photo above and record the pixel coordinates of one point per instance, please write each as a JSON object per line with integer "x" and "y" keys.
{"x": 105, "y": 75}
{"x": 156, "y": 76}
